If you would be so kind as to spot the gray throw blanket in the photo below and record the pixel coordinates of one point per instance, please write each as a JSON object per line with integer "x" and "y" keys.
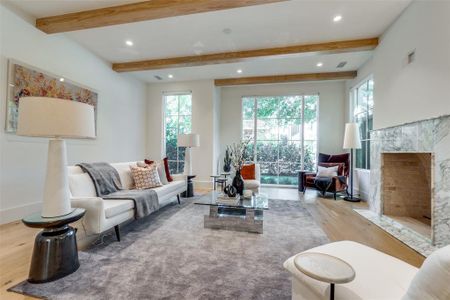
{"x": 105, "y": 178}
{"x": 145, "y": 201}
{"x": 324, "y": 183}
{"x": 108, "y": 186}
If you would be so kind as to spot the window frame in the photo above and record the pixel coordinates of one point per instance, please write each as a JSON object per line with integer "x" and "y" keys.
{"x": 369, "y": 111}
{"x": 302, "y": 126}
{"x": 178, "y": 115}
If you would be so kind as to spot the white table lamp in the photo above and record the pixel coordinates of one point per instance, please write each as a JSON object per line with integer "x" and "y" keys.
{"x": 56, "y": 119}
{"x": 352, "y": 140}
{"x": 188, "y": 140}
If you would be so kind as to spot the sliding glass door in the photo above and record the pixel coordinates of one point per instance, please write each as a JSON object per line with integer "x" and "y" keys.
{"x": 283, "y": 135}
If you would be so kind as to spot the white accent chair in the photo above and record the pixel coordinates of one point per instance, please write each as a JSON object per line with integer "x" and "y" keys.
{"x": 102, "y": 214}
{"x": 378, "y": 276}
{"x": 254, "y": 184}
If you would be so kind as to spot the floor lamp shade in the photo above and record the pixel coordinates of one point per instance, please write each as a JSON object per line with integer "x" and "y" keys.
{"x": 352, "y": 139}
{"x": 57, "y": 119}
{"x": 188, "y": 140}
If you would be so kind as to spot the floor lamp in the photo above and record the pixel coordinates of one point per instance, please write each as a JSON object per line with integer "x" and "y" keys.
{"x": 188, "y": 140}
{"x": 56, "y": 119}
{"x": 352, "y": 141}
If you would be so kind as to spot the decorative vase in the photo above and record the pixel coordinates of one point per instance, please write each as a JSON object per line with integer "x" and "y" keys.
{"x": 238, "y": 183}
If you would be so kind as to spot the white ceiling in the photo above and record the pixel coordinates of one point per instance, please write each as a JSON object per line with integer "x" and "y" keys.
{"x": 263, "y": 26}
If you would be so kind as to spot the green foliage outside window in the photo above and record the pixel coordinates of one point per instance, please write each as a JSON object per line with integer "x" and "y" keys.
{"x": 178, "y": 120}
{"x": 279, "y": 139}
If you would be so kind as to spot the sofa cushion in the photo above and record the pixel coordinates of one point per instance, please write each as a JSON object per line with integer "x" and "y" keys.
{"x": 251, "y": 184}
{"x": 433, "y": 279}
{"x": 116, "y": 207}
{"x": 125, "y": 174}
{"x": 81, "y": 185}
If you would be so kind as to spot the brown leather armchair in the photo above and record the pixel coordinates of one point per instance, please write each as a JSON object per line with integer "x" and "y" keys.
{"x": 338, "y": 183}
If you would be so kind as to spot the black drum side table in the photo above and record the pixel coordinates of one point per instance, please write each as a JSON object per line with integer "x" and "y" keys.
{"x": 55, "y": 252}
{"x": 190, "y": 187}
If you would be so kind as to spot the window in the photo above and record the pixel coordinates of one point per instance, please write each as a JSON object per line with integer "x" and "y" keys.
{"x": 363, "y": 115}
{"x": 177, "y": 120}
{"x": 283, "y": 135}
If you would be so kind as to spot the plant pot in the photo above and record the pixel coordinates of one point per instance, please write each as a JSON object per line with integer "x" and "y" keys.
{"x": 226, "y": 168}
{"x": 238, "y": 183}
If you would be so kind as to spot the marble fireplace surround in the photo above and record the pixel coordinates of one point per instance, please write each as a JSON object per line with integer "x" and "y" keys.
{"x": 432, "y": 135}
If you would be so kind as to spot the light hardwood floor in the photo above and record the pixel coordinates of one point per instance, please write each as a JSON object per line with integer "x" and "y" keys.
{"x": 336, "y": 218}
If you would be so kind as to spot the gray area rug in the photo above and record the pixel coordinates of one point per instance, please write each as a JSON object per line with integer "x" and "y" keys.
{"x": 169, "y": 255}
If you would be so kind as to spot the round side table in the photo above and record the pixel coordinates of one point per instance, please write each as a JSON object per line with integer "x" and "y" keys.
{"x": 55, "y": 252}
{"x": 325, "y": 268}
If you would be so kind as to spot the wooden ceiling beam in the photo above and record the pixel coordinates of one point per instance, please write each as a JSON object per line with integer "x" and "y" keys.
{"x": 135, "y": 12}
{"x": 230, "y": 57}
{"x": 286, "y": 78}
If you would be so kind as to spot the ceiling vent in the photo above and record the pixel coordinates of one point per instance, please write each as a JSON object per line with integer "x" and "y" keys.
{"x": 341, "y": 64}
{"x": 158, "y": 77}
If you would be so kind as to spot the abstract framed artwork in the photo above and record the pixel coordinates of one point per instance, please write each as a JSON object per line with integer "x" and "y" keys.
{"x": 24, "y": 80}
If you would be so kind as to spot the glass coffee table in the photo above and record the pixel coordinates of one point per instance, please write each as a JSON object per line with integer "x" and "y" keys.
{"x": 244, "y": 215}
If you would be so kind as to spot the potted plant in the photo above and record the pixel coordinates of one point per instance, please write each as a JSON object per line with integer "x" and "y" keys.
{"x": 238, "y": 151}
{"x": 227, "y": 160}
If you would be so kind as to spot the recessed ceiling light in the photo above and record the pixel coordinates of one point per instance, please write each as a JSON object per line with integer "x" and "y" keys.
{"x": 170, "y": 76}
{"x": 337, "y": 18}
{"x": 129, "y": 43}
{"x": 61, "y": 79}
{"x": 319, "y": 64}
{"x": 239, "y": 71}
{"x": 227, "y": 30}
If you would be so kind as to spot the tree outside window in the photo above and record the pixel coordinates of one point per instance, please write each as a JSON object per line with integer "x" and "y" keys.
{"x": 177, "y": 120}
{"x": 283, "y": 135}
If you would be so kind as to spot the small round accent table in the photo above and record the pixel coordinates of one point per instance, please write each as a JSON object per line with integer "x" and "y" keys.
{"x": 325, "y": 268}
{"x": 55, "y": 252}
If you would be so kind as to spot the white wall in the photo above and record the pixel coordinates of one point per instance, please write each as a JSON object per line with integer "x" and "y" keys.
{"x": 411, "y": 92}
{"x": 121, "y": 124}
{"x": 204, "y": 109}
{"x": 331, "y": 110}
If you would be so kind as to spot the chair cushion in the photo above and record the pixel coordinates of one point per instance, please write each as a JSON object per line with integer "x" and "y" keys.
{"x": 116, "y": 207}
{"x": 248, "y": 172}
{"x": 251, "y": 184}
{"x": 433, "y": 279}
{"x": 81, "y": 185}
{"x": 341, "y": 167}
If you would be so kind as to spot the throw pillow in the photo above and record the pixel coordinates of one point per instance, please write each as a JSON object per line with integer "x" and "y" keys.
{"x": 327, "y": 172}
{"x": 341, "y": 167}
{"x": 166, "y": 168}
{"x": 162, "y": 172}
{"x": 248, "y": 172}
{"x": 145, "y": 178}
{"x": 432, "y": 279}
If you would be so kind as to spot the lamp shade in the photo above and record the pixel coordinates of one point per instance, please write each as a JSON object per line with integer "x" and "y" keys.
{"x": 188, "y": 140}
{"x": 352, "y": 139}
{"x": 53, "y": 117}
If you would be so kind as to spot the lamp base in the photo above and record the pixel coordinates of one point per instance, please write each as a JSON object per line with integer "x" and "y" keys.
{"x": 352, "y": 199}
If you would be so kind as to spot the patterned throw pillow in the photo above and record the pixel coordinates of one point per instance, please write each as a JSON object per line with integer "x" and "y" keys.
{"x": 145, "y": 178}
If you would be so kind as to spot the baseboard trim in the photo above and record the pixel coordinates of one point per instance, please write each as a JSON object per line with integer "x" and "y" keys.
{"x": 19, "y": 212}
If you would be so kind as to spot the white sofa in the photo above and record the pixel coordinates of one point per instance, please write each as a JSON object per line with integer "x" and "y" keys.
{"x": 102, "y": 214}
{"x": 378, "y": 276}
